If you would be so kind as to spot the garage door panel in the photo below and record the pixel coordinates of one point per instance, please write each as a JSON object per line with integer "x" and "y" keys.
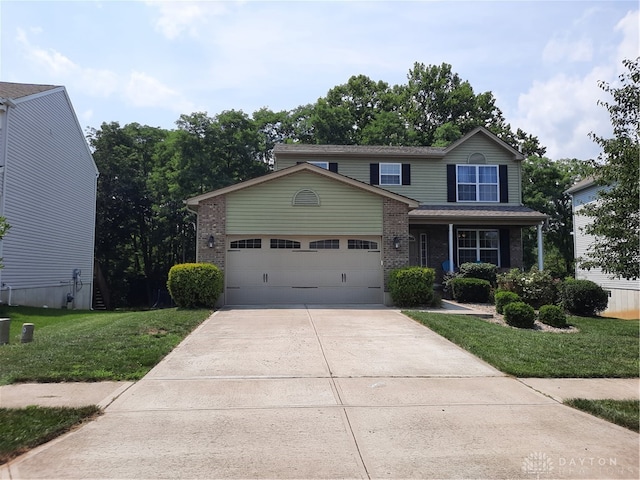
{"x": 288, "y": 276}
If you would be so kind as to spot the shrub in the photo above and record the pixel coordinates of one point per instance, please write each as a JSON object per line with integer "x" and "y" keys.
{"x": 485, "y": 271}
{"x": 519, "y": 314}
{"x": 194, "y": 285}
{"x": 535, "y": 287}
{"x": 412, "y": 286}
{"x": 467, "y": 290}
{"x": 504, "y": 297}
{"x": 552, "y": 315}
{"x": 583, "y": 297}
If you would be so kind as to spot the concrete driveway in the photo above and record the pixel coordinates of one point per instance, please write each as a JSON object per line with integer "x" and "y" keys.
{"x": 331, "y": 393}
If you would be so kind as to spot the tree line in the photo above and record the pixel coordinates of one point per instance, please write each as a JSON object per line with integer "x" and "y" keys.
{"x": 146, "y": 173}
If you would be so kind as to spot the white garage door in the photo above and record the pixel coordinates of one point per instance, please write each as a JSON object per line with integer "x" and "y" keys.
{"x": 292, "y": 270}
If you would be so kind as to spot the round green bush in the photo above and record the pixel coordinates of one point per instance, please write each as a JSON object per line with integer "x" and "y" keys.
{"x": 412, "y": 286}
{"x": 470, "y": 290}
{"x": 504, "y": 297}
{"x": 193, "y": 285}
{"x": 552, "y": 315}
{"x": 583, "y": 297}
{"x": 485, "y": 271}
{"x": 519, "y": 314}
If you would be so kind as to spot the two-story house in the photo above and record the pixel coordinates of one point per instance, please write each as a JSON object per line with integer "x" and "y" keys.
{"x": 48, "y": 195}
{"x": 331, "y": 221}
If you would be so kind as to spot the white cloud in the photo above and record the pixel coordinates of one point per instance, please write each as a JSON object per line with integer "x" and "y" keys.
{"x": 142, "y": 90}
{"x": 563, "y": 109}
{"x": 629, "y": 48}
{"x": 176, "y": 17}
{"x": 557, "y": 50}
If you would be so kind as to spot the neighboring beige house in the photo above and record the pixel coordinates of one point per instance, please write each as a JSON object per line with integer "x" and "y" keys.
{"x": 48, "y": 195}
{"x": 624, "y": 295}
{"x": 331, "y": 221}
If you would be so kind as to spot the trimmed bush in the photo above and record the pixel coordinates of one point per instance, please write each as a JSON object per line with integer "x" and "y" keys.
{"x": 470, "y": 290}
{"x": 519, "y": 314}
{"x": 485, "y": 271}
{"x": 552, "y": 315}
{"x": 583, "y": 297}
{"x": 535, "y": 287}
{"x": 504, "y": 297}
{"x": 412, "y": 286}
{"x": 193, "y": 285}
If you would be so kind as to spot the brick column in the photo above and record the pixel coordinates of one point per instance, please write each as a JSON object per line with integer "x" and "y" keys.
{"x": 212, "y": 220}
{"x": 395, "y": 223}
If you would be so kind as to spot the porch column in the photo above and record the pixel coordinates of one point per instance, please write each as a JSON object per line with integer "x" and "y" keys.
{"x": 451, "y": 247}
{"x": 540, "y": 249}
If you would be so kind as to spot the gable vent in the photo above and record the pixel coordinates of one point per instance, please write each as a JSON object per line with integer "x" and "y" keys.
{"x": 477, "y": 158}
{"x": 306, "y": 198}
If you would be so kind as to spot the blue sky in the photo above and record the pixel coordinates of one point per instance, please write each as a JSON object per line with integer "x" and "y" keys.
{"x": 150, "y": 61}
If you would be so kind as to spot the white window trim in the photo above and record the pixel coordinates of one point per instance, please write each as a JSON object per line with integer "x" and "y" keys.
{"x": 477, "y": 184}
{"x": 478, "y": 249}
{"x": 399, "y": 174}
{"x": 324, "y": 165}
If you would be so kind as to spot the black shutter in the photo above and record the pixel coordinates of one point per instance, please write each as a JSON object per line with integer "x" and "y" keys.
{"x": 333, "y": 167}
{"x": 451, "y": 183}
{"x": 374, "y": 173}
{"x": 504, "y": 184}
{"x": 406, "y": 174}
{"x": 505, "y": 248}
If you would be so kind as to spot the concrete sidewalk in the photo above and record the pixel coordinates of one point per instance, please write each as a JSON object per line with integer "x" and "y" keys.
{"x": 331, "y": 393}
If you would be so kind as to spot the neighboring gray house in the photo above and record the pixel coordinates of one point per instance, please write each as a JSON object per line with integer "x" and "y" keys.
{"x": 624, "y": 295}
{"x": 48, "y": 196}
{"x": 331, "y": 221}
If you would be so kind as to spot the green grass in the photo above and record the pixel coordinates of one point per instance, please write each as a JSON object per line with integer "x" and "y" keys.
{"x": 625, "y": 413}
{"x": 603, "y": 347}
{"x": 91, "y": 346}
{"x": 25, "y": 428}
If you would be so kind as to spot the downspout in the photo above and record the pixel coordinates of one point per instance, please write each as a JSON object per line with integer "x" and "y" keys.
{"x": 5, "y": 103}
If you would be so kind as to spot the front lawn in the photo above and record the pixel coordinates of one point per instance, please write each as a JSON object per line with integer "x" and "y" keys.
{"x": 91, "y": 346}
{"x": 25, "y": 428}
{"x": 602, "y": 347}
{"x": 625, "y": 413}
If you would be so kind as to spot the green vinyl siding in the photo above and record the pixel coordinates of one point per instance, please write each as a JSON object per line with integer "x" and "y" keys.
{"x": 267, "y": 208}
{"x": 428, "y": 175}
{"x": 495, "y": 155}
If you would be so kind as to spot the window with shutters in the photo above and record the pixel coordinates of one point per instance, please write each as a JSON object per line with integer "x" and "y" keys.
{"x": 324, "y": 165}
{"x": 390, "y": 174}
{"x": 478, "y": 246}
{"x": 477, "y": 183}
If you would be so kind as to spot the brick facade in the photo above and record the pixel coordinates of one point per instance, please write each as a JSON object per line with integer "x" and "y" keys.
{"x": 395, "y": 223}
{"x": 212, "y": 220}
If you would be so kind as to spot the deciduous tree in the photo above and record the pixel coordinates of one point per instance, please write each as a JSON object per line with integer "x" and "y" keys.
{"x": 616, "y": 213}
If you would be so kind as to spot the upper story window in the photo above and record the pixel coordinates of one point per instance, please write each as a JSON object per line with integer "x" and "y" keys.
{"x": 390, "y": 174}
{"x": 324, "y": 165}
{"x": 477, "y": 183}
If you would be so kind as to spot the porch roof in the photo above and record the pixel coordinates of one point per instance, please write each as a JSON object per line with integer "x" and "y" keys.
{"x": 476, "y": 214}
